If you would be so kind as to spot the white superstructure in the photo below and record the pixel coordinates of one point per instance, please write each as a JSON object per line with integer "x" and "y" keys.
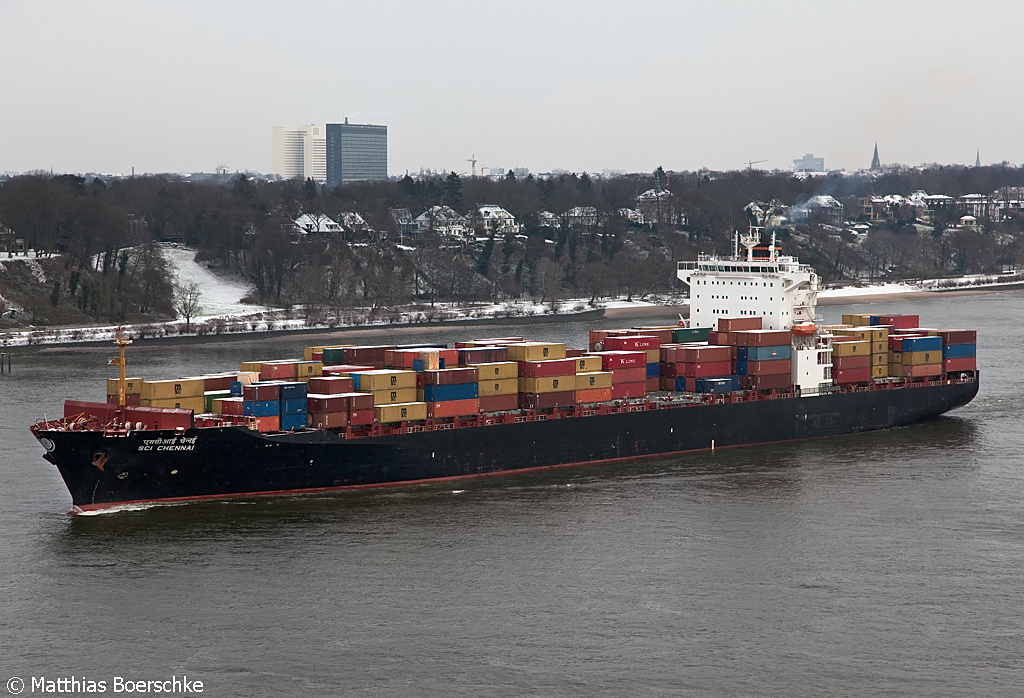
{"x": 760, "y": 282}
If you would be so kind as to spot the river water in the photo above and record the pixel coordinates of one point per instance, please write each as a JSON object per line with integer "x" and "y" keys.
{"x": 877, "y": 564}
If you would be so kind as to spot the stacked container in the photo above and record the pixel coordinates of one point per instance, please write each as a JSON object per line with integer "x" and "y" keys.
{"x": 132, "y": 391}
{"x": 650, "y": 345}
{"x": 182, "y": 393}
{"x": 959, "y": 350}
{"x": 546, "y": 383}
{"x": 449, "y": 392}
{"x": 497, "y": 385}
{"x": 629, "y": 372}
{"x": 916, "y": 356}
{"x": 388, "y": 386}
{"x": 764, "y": 359}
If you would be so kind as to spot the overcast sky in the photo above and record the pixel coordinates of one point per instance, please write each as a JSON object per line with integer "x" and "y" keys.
{"x": 182, "y": 86}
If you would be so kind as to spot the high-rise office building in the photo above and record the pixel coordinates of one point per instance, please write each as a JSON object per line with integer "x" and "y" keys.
{"x": 356, "y": 153}
{"x": 300, "y": 151}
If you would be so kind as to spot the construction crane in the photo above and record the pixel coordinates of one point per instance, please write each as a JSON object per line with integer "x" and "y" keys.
{"x": 751, "y": 163}
{"x": 472, "y": 160}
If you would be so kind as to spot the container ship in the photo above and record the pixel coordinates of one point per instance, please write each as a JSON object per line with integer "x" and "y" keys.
{"x": 753, "y": 365}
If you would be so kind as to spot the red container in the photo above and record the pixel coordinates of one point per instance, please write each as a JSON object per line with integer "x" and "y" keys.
{"x": 967, "y": 363}
{"x": 843, "y": 363}
{"x": 545, "y": 369}
{"x": 622, "y": 391}
{"x": 778, "y": 367}
{"x": 481, "y": 355}
{"x": 653, "y": 383}
{"x": 770, "y": 382}
{"x": 453, "y": 408}
{"x": 360, "y": 401}
{"x": 499, "y": 403}
{"x": 450, "y": 376}
{"x": 546, "y": 401}
{"x": 704, "y": 354}
{"x": 664, "y": 335}
{"x": 261, "y": 391}
{"x": 852, "y": 375}
{"x": 366, "y": 354}
{"x": 331, "y": 385}
{"x": 611, "y": 360}
{"x": 327, "y": 403}
{"x": 669, "y": 370}
{"x": 629, "y": 375}
{"x": 360, "y": 417}
{"x": 763, "y": 338}
{"x": 632, "y": 343}
{"x": 232, "y": 406}
{"x": 667, "y": 382}
{"x": 274, "y": 371}
{"x": 571, "y": 353}
{"x": 900, "y": 322}
{"x": 101, "y": 410}
{"x": 708, "y": 369}
{"x": 958, "y": 336}
{"x": 218, "y": 382}
{"x": 738, "y": 324}
{"x": 159, "y": 417}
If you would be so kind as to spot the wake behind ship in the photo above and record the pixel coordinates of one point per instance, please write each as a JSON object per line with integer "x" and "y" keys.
{"x": 761, "y": 369}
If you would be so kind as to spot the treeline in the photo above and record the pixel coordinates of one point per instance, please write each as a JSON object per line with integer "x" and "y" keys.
{"x": 105, "y": 232}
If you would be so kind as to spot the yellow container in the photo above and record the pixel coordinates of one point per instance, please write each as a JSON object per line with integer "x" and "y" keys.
{"x": 132, "y": 386}
{"x": 896, "y": 357}
{"x": 554, "y": 384}
{"x": 498, "y": 370}
{"x": 593, "y": 379}
{"x": 868, "y": 334}
{"x": 196, "y": 404}
{"x": 309, "y": 369}
{"x": 920, "y": 358}
{"x": 653, "y": 356}
{"x": 386, "y": 378}
{"x": 881, "y": 371}
{"x": 880, "y": 346}
{"x": 387, "y": 397}
{"x": 833, "y": 328}
{"x": 536, "y": 351}
{"x": 173, "y": 389}
{"x": 589, "y": 364}
{"x": 880, "y": 359}
{"x": 252, "y": 366}
{"x": 401, "y": 412}
{"x": 307, "y": 352}
{"x": 501, "y": 386}
{"x": 851, "y": 348}
{"x": 857, "y": 319}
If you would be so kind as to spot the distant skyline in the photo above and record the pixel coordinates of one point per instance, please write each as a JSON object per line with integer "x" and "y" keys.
{"x": 187, "y": 86}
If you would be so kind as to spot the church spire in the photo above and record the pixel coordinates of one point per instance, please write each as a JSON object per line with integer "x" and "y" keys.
{"x": 977, "y": 159}
{"x": 876, "y": 164}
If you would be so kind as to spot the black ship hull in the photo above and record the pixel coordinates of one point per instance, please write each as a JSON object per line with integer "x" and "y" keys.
{"x": 102, "y": 470}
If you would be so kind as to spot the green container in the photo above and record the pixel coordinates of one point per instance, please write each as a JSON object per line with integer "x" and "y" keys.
{"x": 334, "y": 355}
{"x": 690, "y": 334}
{"x": 211, "y": 395}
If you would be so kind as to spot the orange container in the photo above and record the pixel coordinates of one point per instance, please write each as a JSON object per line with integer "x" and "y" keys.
{"x": 278, "y": 370}
{"x": 624, "y": 390}
{"x": 593, "y": 395}
{"x": 268, "y": 423}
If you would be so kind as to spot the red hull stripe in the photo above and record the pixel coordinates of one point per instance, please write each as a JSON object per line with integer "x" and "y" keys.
{"x": 399, "y": 483}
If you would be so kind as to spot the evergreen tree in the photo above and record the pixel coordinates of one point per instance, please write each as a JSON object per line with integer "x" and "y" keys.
{"x": 453, "y": 191}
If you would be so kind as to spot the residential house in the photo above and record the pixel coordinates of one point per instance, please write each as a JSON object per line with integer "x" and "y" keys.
{"x": 441, "y": 220}
{"x": 581, "y": 217}
{"x": 400, "y": 221}
{"x": 819, "y": 209}
{"x": 490, "y": 218}
{"x": 312, "y": 223}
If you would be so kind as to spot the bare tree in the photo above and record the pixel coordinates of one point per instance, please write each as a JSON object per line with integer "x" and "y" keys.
{"x": 187, "y": 302}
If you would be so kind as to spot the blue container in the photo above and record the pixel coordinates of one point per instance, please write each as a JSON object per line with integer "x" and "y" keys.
{"x": 293, "y": 421}
{"x": 783, "y": 351}
{"x": 296, "y": 405}
{"x": 441, "y": 362}
{"x": 292, "y": 390}
{"x": 719, "y": 386}
{"x": 959, "y": 351}
{"x": 653, "y": 370}
{"x": 680, "y": 384}
{"x": 876, "y": 320}
{"x": 417, "y": 365}
{"x": 741, "y": 367}
{"x": 922, "y": 344}
{"x": 236, "y": 388}
{"x": 456, "y": 391}
{"x": 261, "y": 408}
{"x": 741, "y": 353}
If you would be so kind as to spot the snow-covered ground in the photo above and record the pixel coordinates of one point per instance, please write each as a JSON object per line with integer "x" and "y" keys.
{"x": 221, "y": 296}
